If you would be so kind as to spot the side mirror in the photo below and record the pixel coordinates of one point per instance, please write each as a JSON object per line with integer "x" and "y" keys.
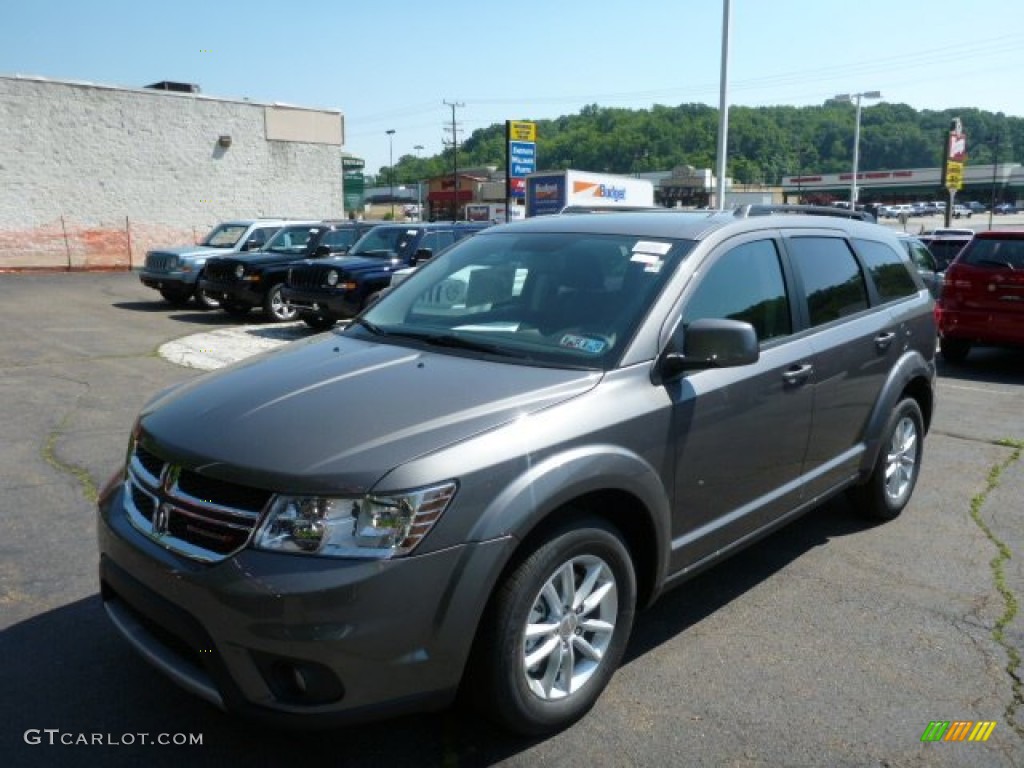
{"x": 320, "y": 251}
{"x": 713, "y": 343}
{"x": 423, "y": 254}
{"x": 253, "y": 244}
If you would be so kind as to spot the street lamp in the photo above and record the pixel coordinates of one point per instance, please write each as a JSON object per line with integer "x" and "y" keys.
{"x": 854, "y": 98}
{"x": 419, "y": 195}
{"x": 391, "y": 169}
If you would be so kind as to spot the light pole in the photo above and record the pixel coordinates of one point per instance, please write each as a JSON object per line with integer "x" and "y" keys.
{"x": 419, "y": 195}
{"x": 854, "y": 98}
{"x": 391, "y": 169}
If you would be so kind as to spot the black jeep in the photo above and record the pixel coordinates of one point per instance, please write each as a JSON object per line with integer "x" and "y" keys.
{"x": 327, "y": 290}
{"x": 254, "y": 280}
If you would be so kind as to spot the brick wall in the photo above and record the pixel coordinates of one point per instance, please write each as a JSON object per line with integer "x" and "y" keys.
{"x": 93, "y": 176}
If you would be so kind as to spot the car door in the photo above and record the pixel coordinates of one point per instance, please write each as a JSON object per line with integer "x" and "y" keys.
{"x": 741, "y": 432}
{"x": 854, "y": 345}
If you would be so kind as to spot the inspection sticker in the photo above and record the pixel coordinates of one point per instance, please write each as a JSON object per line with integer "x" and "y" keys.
{"x": 582, "y": 343}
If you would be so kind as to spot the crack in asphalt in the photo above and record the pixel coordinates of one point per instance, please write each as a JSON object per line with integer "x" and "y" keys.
{"x": 998, "y": 567}
{"x": 48, "y": 452}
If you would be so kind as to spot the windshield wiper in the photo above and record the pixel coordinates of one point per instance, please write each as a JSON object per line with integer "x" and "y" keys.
{"x": 376, "y": 330}
{"x": 460, "y": 342}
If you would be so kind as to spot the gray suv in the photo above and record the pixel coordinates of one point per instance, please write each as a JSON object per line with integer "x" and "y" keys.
{"x": 175, "y": 272}
{"x": 474, "y": 486}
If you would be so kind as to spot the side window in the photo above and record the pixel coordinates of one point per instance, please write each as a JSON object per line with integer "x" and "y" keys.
{"x": 831, "y": 276}
{"x": 744, "y": 284}
{"x": 338, "y": 238}
{"x": 922, "y": 257}
{"x": 888, "y": 269}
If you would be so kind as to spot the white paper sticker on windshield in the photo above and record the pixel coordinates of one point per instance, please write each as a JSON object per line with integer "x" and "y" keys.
{"x": 650, "y": 246}
{"x": 645, "y": 258}
{"x": 582, "y": 343}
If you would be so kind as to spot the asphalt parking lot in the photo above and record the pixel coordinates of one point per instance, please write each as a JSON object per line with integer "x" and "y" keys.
{"x": 831, "y": 643}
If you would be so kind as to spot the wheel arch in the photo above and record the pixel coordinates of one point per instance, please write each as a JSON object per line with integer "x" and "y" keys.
{"x": 912, "y": 377}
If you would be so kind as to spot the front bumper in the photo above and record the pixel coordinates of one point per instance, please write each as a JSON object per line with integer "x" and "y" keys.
{"x": 249, "y": 294}
{"x": 295, "y": 639}
{"x": 339, "y": 305}
{"x": 160, "y": 280}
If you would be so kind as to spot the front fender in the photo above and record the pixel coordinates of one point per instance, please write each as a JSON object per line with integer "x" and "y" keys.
{"x": 550, "y": 487}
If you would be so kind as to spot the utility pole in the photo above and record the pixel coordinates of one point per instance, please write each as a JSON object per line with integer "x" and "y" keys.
{"x": 455, "y": 157}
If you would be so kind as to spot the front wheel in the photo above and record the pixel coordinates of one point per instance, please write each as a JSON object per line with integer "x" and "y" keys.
{"x": 205, "y": 300}
{"x": 892, "y": 481}
{"x": 556, "y": 629}
{"x": 276, "y": 308}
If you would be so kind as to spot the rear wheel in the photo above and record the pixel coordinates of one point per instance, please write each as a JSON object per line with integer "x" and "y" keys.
{"x": 892, "y": 481}
{"x": 954, "y": 350}
{"x": 176, "y": 295}
{"x": 556, "y": 629}
{"x": 276, "y": 308}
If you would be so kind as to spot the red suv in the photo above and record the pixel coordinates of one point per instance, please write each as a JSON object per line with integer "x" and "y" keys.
{"x": 983, "y": 295}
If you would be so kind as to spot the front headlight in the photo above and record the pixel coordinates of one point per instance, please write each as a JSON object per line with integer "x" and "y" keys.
{"x": 239, "y": 271}
{"x": 332, "y": 278}
{"x": 376, "y": 526}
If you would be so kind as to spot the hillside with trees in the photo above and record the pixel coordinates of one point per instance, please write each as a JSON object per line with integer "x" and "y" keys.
{"x": 765, "y": 143}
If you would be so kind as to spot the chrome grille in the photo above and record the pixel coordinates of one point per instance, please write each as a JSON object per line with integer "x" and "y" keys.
{"x": 157, "y": 261}
{"x": 198, "y": 516}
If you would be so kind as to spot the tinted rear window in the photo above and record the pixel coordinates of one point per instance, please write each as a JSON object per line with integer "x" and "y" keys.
{"x": 888, "y": 270}
{"x": 995, "y": 254}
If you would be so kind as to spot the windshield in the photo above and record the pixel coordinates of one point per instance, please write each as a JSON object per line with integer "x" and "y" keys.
{"x": 385, "y": 242}
{"x": 224, "y": 235}
{"x": 292, "y": 240}
{"x": 550, "y": 299}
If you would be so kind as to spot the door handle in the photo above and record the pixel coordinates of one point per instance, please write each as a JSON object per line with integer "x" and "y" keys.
{"x": 797, "y": 374}
{"x": 883, "y": 340}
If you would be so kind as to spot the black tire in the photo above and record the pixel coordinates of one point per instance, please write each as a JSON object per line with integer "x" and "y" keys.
{"x": 891, "y": 484}
{"x": 178, "y": 296}
{"x": 275, "y": 308}
{"x": 203, "y": 299}
{"x": 533, "y": 700}
{"x": 235, "y": 310}
{"x": 318, "y": 322}
{"x": 954, "y": 350}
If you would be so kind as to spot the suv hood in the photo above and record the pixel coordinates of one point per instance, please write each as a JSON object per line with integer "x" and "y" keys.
{"x": 334, "y": 414}
{"x": 194, "y": 250}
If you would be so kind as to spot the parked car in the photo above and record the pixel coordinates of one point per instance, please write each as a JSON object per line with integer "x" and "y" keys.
{"x": 945, "y": 246}
{"x": 983, "y": 295}
{"x": 961, "y": 211}
{"x": 175, "y": 272}
{"x": 323, "y": 292}
{"x": 976, "y": 207}
{"x": 478, "y": 489}
{"x": 255, "y": 280}
{"x": 1004, "y": 208}
{"x": 923, "y": 261}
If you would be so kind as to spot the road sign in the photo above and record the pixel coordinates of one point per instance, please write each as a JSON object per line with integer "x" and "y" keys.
{"x": 522, "y": 131}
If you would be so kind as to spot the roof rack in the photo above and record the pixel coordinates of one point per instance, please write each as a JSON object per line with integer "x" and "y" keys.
{"x": 743, "y": 211}
{"x": 611, "y": 208}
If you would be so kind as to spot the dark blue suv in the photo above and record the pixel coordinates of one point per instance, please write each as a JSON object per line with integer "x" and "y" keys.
{"x": 327, "y": 290}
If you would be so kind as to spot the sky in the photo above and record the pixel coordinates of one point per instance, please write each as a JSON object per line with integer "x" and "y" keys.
{"x": 393, "y": 65}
